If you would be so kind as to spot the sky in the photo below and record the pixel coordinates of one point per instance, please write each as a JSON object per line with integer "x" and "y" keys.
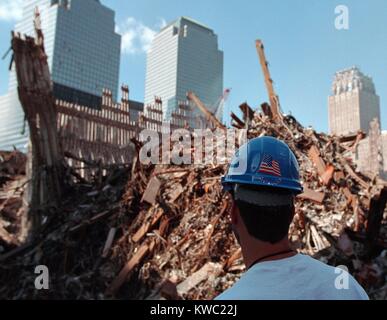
{"x": 302, "y": 45}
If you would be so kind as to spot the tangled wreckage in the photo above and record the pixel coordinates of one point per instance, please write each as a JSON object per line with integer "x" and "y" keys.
{"x": 135, "y": 231}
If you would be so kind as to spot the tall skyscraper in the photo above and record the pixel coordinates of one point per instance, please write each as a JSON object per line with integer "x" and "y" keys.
{"x": 353, "y": 106}
{"x": 353, "y": 103}
{"x": 83, "y": 52}
{"x": 184, "y": 56}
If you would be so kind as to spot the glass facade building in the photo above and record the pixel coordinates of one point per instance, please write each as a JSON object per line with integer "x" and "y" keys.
{"x": 83, "y": 52}
{"x": 184, "y": 56}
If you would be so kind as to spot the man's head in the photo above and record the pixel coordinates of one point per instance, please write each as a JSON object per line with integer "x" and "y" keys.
{"x": 263, "y": 192}
{"x": 261, "y": 213}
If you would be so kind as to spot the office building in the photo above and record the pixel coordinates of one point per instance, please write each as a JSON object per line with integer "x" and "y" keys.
{"x": 353, "y": 103}
{"x": 353, "y": 106}
{"x": 184, "y": 56}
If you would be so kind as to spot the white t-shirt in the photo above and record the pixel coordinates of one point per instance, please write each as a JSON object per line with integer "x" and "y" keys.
{"x": 299, "y": 277}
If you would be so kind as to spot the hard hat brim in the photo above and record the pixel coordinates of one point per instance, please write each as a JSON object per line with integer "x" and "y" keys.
{"x": 264, "y": 181}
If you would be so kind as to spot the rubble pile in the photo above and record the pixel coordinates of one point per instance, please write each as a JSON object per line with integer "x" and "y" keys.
{"x": 70, "y": 242}
{"x": 162, "y": 232}
{"x": 12, "y": 182}
{"x": 182, "y": 236}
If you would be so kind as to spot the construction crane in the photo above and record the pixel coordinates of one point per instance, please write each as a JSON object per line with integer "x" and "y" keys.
{"x": 273, "y": 98}
{"x": 209, "y": 115}
{"x": 219, "y": 105}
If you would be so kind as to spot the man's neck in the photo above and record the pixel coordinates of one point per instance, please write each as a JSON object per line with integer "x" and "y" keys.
{"x": 258, "y": 251}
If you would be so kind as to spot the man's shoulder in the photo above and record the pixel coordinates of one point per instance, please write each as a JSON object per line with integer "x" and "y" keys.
{"x": 336, "y": 279}
{"x": 235, "y": 293}
{"x": 316, "y": 266}
{"x": 301, "y": 277}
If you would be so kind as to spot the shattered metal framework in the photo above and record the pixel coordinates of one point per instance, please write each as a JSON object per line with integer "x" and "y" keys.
{"x": 105, "y": 135}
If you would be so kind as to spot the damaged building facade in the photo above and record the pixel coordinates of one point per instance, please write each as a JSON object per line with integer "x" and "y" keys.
{"x": 355, "y": 106}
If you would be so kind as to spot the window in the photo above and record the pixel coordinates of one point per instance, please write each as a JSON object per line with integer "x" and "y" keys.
{"x": 185, "y": 32}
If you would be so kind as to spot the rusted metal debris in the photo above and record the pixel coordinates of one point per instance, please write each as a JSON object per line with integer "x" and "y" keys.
{"x": 210, "y": 269}
{"x": 375, "y": 218}
{"x": 37, "y": 100}
{"x": 151, "y": 191}
{"x": 12, "y": 211}
{"x": 311, "y": 195}
{"x": 157, "y": 236}
{"x": 210, "y": 117}
{"x": 273, "y": 98}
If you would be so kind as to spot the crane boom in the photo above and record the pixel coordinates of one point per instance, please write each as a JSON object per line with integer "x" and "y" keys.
{"x": 273, "y": 98}
{"x": 192, "y": 97}
{"x": 219, "y": 105}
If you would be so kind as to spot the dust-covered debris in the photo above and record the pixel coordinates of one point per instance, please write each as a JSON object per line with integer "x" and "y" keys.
{"x": 149, "y": 231}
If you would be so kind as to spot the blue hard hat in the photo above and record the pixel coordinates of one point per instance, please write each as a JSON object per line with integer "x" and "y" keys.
{"x": 266, "y": 162}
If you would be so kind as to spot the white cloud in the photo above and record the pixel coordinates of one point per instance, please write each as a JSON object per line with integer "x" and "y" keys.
{"x": 137, "y": 37}
{"x": 11, "y": 10}
{"x": 162, "y": 23}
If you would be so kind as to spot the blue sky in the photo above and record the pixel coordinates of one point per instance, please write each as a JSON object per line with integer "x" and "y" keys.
{"x": 303, "y": 47}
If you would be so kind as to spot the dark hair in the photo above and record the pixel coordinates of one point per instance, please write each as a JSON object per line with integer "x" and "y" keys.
{"x": 267, "y": 223}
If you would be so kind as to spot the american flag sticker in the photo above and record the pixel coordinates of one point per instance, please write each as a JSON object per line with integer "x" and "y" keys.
{"x": 270, "y": 166}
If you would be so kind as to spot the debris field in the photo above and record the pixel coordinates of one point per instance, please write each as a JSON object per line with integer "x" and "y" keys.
{"x": 163, "y": 232}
